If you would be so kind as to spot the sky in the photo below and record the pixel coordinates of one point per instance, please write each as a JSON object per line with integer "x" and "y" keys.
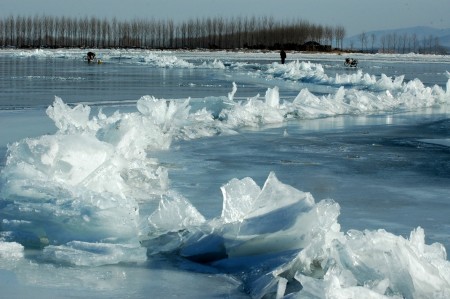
{"x": 356, "y": 16}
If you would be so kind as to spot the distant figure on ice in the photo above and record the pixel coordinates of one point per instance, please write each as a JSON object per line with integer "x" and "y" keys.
{"x": 90, "y": 56}
{"x": 283, "y": 56}
{"x": 351, "y": 62}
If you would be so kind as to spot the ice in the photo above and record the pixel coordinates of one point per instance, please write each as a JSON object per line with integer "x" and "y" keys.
{"x": 411, "y": 96}
{"x": 308, "y": 105}
{"x": 102, "y": 163}
{"x": 277, "y": 219}
{"x": 444, "y": 142}
{"x": 255, "y": 112}
{"x": 174, "y": 213}
{"x": 412, "y": 268}
{"x": 71, "y": 120}
{"x": 255, "y": 230}
{"x": 314, "y": 73}
{"x": 88, "y": 179}
{"x": 297, "y": 70}
{"x": 164, "y": 114}
{"x": 216, "y": 64}
{"x": 262, "y": 228}
{"x": 91, "y": 203}
{"x": 85, "y": 182}
{"x": 375, "y": 263}
{"x": 10, "y": 251}
{"x": 238, "y": 199}
{"x": 166, "y": 61}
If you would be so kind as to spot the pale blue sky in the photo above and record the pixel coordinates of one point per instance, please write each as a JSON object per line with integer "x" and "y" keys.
{"x": 355, "y": 15}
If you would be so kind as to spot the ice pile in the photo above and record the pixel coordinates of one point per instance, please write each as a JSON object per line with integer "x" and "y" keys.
{"x": 256, "y": 111}
{"x": 79, "y": 190}
{"x": 296, "y": 71}
{"x": 314, "y": 73}
{"x": 254, "y": 221}
{"x": 97, "y": 169}
{"x": 78, "y": 194}
{"x": 278, "y": 241}
{"x": 165, "y": 61}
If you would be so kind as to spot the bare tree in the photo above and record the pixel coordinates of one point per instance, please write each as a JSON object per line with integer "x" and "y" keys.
{"x": 383, "y": 41}
{"x": 2, "y": 33}
{"x": 373, "y": 38}
{"x": 328, "y": 33}
{"x": 11, "y": 30}
{"x": 415, "y": 43}
{"x": 363, "y": 39}
{"x": 339, "y": 34}
{"x": 236, "y": 32}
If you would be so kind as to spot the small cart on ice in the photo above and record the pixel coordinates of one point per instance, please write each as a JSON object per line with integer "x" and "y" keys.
{"x": 351, "y": 62}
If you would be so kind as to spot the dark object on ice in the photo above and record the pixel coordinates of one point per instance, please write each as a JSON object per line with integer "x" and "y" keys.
{"x": 283, "y": 56}
{"x": 90, "y": 56}
{"x": 351, "y": 62}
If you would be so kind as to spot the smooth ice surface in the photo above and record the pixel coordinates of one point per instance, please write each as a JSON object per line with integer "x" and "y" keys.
{"x": 160, "y": 171}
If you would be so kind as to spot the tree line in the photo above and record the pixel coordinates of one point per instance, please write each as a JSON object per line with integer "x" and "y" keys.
{"x": 209, "y": 32}
{"x": 400, "y": 43}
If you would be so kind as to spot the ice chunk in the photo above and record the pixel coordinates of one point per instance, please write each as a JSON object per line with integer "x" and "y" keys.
{"x": 71, "y": 120}
{"x": 174, "y": 213}
{"x": 216, "y": 64}
{"x": 10, "y": 251}
{"x": 238, "y": 199}
{"x": 372, "y": 264}
{"x": 297, "y": 70}
{"x": 275, "y": 195}
{"x": 164, "y": 113}
{"x": 61, "y": 158}
{"x": 273, "y": 97}
{"x": 276, "y": 218}
{"x": 255, "y": 112}
{"x": 232, "y": 93}
{"x": 174, "y": 222}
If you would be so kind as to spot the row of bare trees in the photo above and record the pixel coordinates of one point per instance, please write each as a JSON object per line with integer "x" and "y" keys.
{"x": 400, "y": 43}
{"x": 211, "y": 32}
{"x": 406, "y": 43}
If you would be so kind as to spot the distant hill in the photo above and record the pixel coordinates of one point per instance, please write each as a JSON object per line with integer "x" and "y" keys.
{"x": 421, "y": 32}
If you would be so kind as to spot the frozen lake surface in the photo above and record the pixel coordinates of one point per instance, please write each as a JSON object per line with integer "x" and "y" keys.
{"x": 223, "y": 174}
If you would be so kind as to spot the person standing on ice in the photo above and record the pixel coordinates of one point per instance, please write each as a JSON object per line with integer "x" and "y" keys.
{"x": 283, "y": 56}
{"x": 90, "y": 56}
